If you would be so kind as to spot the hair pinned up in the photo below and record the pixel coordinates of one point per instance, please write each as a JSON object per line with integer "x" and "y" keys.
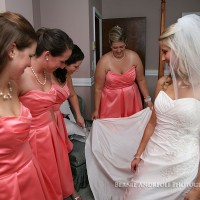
{"x": 117, "y": 34}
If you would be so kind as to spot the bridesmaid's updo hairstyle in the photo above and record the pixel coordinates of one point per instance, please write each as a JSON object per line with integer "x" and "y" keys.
{"x": 117, "y": 34}
{"x": 55, "y": 41}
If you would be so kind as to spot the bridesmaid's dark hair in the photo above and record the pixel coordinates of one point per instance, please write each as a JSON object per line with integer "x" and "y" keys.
{"x": 54, "y": 40}
{"x": 76, "y": 55}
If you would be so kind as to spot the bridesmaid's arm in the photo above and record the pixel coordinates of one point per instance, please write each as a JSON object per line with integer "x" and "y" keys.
{"x": 74, "y": 102}
{"x": 141, "y": 80}
{"x": 99, "y": 79}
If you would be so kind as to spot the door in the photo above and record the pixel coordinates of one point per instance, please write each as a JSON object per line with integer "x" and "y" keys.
{"x": 135, "y": 28}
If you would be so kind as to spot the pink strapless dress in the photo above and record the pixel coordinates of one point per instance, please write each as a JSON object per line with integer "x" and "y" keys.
{"x": 62, "y": 95}
{"x": 120, "y": 95}
{"x": 46, "y": 142}
{"x": 20, "y": 175}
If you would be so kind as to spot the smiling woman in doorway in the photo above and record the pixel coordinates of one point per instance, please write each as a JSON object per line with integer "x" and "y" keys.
{"x": 117, "y": 71}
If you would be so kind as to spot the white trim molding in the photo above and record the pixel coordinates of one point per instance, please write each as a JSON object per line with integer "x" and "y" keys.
{"x": 151, "y": 72}
{"x": 154, "y": 72}
{"x": 83, "y": 82}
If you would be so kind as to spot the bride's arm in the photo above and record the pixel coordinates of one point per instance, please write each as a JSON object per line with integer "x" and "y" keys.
{"x": 148, "y": 131}
{"x": 194, "y": 193}
{"x": 147, "y": 134}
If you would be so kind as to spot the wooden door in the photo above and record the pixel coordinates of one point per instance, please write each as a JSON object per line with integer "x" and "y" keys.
{"x": 135, "y": 28}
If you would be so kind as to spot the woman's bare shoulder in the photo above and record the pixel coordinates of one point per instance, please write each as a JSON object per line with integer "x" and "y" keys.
{"x": 131, "y": 52}
{"x": 106, "y": 57}
{"x": 104, "y": 61}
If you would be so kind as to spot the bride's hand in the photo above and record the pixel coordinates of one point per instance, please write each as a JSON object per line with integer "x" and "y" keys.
{"x": 134, "y": 164}
{"x": 193, "y": 194}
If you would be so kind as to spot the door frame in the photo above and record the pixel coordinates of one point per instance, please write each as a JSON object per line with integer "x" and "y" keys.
{"x": 96, "y": 15}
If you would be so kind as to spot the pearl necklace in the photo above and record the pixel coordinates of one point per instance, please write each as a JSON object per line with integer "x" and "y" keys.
{"x": 45, "y": 78}
{"x": 119, "y": 59}
{"x": 8, "y": 95}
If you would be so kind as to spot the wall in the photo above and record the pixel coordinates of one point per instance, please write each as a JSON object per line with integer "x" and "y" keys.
{"x": 150, "y": 10}
{"x": 23, "y": 7}
{"x": 36, "y": 14}
{"x": 2, "y": 6}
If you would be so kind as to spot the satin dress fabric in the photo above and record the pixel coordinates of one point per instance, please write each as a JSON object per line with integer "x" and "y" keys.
{"x": 120, "y": 96}
{"x": 62, "y": 95}
{"x": 45, "y": 140}
{"x": 170, "y": 161}
{"x": 109, "y": 150}
{"x": 20, "y": 175}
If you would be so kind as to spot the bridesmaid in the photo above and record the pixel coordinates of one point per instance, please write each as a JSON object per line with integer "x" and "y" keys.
{"x": 119, "y": 80}
{"x": 63, "y": 84}
{"x": 20, "y": 175}
{"x": 36, "y": 93}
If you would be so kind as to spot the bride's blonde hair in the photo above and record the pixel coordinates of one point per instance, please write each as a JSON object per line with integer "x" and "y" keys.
{"x": 168, "y": 37}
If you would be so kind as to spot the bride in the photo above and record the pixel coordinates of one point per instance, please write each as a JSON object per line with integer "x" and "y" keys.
{"x": 166, "y": 165}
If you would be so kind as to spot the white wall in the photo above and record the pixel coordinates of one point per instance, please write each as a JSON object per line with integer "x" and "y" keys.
{"x": 24, "y": 7}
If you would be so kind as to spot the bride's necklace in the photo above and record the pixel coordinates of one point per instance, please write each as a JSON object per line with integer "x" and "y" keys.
{"x": 45, "y": 78}
{"x": 119, "y": 59}
{"x": 8, "y": 95}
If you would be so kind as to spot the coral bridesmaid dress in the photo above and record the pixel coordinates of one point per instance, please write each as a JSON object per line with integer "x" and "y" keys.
{"x": 62, "y": 95}
{"x": 120, "y": 95}
{"x": 45, "y": 140}
{"x": 20, "y": 175}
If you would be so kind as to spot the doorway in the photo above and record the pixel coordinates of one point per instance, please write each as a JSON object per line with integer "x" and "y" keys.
{"x": 135, "y": 29}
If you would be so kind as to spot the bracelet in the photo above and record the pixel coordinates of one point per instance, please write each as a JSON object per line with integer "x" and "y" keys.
{"x": 136, "y": 157}
{"x": 147, "y": 99}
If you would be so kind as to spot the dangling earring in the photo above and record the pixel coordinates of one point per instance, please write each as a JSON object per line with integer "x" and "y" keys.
{"x": 12, "y": 56}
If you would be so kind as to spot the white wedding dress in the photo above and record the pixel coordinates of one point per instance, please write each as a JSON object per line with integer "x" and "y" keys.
{"x": 109, "y": 150}
{"x": 170, "y": 161}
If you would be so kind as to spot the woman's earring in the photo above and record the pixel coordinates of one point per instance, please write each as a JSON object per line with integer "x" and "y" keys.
{"x": 47, "y": 58}
{"x": 12, "y": 55}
